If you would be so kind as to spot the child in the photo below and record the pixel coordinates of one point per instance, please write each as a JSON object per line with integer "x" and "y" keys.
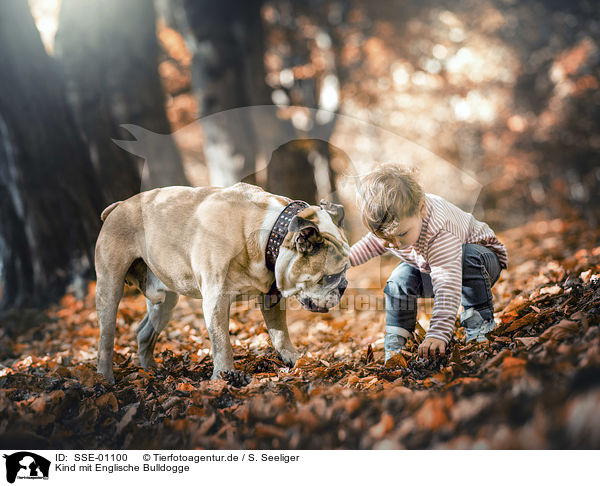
{"x": 446, "y": 254}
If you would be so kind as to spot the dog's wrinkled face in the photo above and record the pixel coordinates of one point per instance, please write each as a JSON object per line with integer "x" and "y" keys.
{"x": 313, "y": 259}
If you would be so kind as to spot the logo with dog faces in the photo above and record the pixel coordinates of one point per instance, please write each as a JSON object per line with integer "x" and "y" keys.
{"x": 26, "y": 465}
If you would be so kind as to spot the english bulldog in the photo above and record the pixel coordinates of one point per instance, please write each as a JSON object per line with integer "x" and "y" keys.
{"x": 223, "y": 245}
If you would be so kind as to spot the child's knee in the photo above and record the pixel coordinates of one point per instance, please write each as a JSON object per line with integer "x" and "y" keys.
{"x": 478, "y": 257}
{"x": 404, "y": 281}
{"x": 471, "y": 255}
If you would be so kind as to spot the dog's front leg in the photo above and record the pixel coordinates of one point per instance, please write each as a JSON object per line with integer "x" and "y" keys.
{"x": 216, "y": 314}
{"x": 275, "y": 319}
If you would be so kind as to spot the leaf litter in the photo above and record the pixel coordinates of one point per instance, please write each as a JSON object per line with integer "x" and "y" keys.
{"x": 535, "y": 384}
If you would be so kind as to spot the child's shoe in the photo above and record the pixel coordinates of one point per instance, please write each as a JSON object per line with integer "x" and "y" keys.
{"x": 475, "y": 326}
{"x": 393, "y": 343}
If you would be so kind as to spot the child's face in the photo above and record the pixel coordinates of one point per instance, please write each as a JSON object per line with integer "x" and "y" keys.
{"x": 408, "y": 232}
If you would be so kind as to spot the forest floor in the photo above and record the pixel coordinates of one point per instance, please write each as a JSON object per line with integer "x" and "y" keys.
{"x": 535, "y": 384}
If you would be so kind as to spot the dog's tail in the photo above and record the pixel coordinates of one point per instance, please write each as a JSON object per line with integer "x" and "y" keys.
{"x": 108, "y": 210}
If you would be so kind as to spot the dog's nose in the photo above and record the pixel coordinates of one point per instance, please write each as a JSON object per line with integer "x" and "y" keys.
{"x": 342, "y": 286}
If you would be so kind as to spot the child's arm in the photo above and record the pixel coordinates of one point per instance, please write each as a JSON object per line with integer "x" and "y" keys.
{"x": 369, "y": 246}
{"x": 445, "y": 261}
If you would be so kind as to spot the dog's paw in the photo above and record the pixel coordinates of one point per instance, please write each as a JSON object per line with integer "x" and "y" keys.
{"x": 234, "y": 378}
{"x": 147, "y": 362}
{"x": 108, "y": 375}
{"x": 289, "y": 356}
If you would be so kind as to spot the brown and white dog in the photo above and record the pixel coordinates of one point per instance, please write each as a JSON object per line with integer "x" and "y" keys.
{"x": 211, "y": 242}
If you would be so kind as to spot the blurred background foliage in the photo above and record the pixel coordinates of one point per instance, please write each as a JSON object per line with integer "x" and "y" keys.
{"x": 505, "y": 92}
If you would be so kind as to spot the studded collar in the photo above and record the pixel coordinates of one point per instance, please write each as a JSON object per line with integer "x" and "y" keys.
{"x": 279, "y": 230}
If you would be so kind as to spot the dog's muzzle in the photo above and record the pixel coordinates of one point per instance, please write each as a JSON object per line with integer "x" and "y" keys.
{"x": 332, "y": 299}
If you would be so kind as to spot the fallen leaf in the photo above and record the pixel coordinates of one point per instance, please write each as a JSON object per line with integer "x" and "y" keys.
{"x": 185, "y": 387}
{"x": 212, "y": 387}
{"x": 352, "y": 405}
{"x": 495, "y": 360}
{"x": 108, "y": 400}
{"x": 304, "y": 361}
{"x": 267, "y": 430}
{"x": 444, "y": 375}
{"x": 86, "y": 375}
{"x": 561, "y": 330}
{"x": 528, "y": 342}
{"x": 553, "y": 290}
{"x": 586, "y": 276}
{"x": 396, "y": 361}
{"x": 385, "y": 425}
{"x": 432, "y": 414}
{"x": 527, "y": 319}
{"x": 465, "y": 380}
{"x": 468, "y": 408}
{"x": 512, "y": 367}
{"x": 206, "y": 425}
{"x": 127, "y": 417}
{"x": 582, "y": 318}
{"x": 353, "y": 379}
{"x": 515, "y": 306}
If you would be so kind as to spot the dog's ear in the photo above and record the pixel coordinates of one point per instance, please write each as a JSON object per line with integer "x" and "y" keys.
{"x": 308, "y": 238}
{"x": 336, "y": 211}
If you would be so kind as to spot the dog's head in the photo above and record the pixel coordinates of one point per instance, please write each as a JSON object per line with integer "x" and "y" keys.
{"x": 313, "y": 258}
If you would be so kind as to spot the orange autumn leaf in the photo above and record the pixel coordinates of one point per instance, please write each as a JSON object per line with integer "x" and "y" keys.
{"x": 512, "y": 367}
{"x": 185, "y": 387}
{"x": 108, "y": 400}
{"x": 432, "y": 414}
{"x": 529, "y": 318}
{"x": 385, "y": 425}
{"x": 195, "y": 411}
{"x": 396, "y": 361}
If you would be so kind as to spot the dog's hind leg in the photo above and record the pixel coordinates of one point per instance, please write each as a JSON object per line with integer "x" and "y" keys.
{"x": 112, "y": 263}
{"x": 154, "y": 322}
{"x": 109, "y": 290}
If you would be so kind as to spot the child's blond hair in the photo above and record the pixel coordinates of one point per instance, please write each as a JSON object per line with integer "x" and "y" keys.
{"x": 387, "y": 195}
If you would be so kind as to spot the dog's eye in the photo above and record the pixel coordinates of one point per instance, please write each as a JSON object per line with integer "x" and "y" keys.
{"x": 330, "y": 279}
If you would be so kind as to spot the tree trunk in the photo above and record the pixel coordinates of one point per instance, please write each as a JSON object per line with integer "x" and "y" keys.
{"x": 319, "y": 91}
{"x": 227, "y": 41}
{"x": 109, "y": 52}
{"x": 223, "y": 39}
{"x": 49, "y": 197}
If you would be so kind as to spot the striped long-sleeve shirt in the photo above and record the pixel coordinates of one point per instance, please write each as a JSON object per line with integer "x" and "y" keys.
{"x": 438, "y": 251}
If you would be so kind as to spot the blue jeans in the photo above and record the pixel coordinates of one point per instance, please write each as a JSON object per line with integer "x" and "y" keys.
{"x": 480, "y": 271}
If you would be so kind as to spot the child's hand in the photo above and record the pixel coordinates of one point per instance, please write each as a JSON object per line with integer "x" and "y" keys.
{"x": 431, "y": 346}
